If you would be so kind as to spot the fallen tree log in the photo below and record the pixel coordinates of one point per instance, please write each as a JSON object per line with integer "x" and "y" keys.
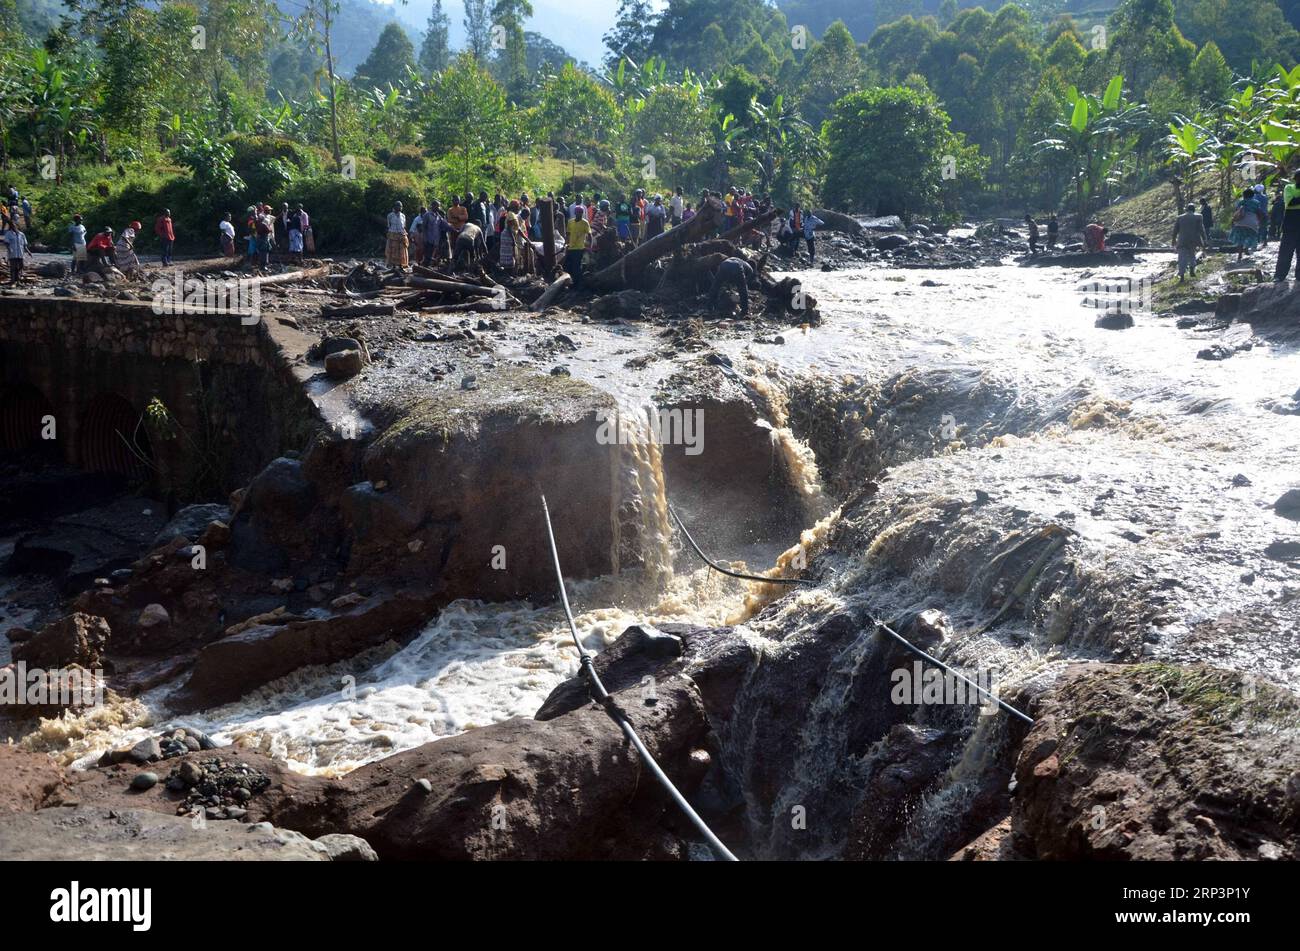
{"x": 553, "y": 290}
{"x": 835, "y": 221}
{"x": 306, "y": 274}
{"x": 631, "y": 265}
{"x": 762, "y": 220}
{"x": 359, "y": 310}
{"x": 469, "y": 307}
{"x": 451, "y": 287}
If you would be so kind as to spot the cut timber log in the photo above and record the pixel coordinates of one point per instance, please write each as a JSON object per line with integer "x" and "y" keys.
{"x": 553, "y": 291}
{"x": 837, "y": 222}
{"x": 632, "y": 264}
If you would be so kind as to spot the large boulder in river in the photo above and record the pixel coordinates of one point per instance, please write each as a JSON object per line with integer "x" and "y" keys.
{"x": 272, "y": 646}
{"x": 570, "y": 787}
{"x": 1162, "y": 762}
{"x": 79, "y": 639}
{"x": 451, "y": 490}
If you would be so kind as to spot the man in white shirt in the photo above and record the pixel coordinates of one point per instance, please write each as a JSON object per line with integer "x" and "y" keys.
{"x": 77, "y": 231}
{"x": 676, "y": 206}
{"x": 17, "y": 242}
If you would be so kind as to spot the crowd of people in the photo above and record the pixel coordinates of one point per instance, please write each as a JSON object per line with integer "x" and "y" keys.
{"x": 595, "y": 228}
{"x": 588, "y": 227}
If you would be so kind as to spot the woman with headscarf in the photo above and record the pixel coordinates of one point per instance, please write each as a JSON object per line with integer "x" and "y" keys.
{"x": 127, "y": 262}
{"x": 508, "y": 240}
{"x": 395, "y": 249}
{"x": 1245, "y": 224}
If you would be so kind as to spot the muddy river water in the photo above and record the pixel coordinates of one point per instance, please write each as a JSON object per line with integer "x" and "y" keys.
{"x": 1164, "y": 467}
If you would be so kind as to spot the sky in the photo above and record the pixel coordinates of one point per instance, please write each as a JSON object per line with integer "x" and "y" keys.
{"x": 577, "y": 25}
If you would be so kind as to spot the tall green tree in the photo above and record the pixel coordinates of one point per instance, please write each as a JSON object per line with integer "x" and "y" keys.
{"x": 631, "y": 33}
{"x": 465, "y": 118}
{"x": 478, "y": 29}
{"x": 508, "y": 18}
{"x": 831, "y": 70}
{"x": 887, "y": 148}
{"x": 435, "y": 51}
{"x": 1145, "y": 42}
{"x": 1210, "y": 78}
{"x": 391, "y": 59}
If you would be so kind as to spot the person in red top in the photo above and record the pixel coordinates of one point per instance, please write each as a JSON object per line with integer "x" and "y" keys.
{"x": 163, "y": 229}
{"x": 99, "y": 250}
{"x": 1094, "y": 237}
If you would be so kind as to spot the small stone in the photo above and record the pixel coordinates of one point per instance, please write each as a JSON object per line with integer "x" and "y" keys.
{"x": 146, "y": 751}
{"x": 190, "y": 773}
{"x": 347, "y": 848}
{"x": 153, "y": 615}
{"x": 424, "y": 785}
{"x": 348, "y": 600}
{"x": 144, "y": 781}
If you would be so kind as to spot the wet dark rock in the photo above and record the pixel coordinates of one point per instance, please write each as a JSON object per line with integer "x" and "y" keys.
{"x": 639, "y": 652}
{"x": 191, "y": 522}
{"x": 624, "y": 305}
{"x": 1283, "y": 550}
{"x": 1115, "y": 321}
{"x": 566, "y": 788}
{"x": 908, "y": 762}
{"x": 272, "y": 523}
{"x": 1216, "y": 352}
{"x": 143, "y": 781}
{"x": 892, "y": 242}
{"x": 1288, "y": 505}
{"x": 229, "y": 667}
{"x": 77, "y": 548}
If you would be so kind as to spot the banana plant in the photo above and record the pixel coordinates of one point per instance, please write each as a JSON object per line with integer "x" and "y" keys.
{"x": 1097, "y": 133}
{"x": 1184, "y": 149}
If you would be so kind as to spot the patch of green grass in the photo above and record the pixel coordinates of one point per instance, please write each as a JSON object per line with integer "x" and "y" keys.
{"x": 1220, "y": 697}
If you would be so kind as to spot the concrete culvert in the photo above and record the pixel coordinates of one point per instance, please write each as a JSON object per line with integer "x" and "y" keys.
{"x": 109, "y": 431}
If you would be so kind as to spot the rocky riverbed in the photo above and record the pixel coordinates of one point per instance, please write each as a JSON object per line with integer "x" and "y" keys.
{"x": 1093, "y": 520}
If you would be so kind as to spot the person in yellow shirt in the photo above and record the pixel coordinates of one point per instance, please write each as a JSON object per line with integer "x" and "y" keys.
{"x": 578, "y": 234}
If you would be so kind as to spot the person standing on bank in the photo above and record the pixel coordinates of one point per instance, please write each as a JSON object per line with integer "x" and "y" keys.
{"x": 395, "y": 248}
{"x": 1289, "y": 246}
{"x": 166, "y": 234}
{"x": 1189, "y": 237}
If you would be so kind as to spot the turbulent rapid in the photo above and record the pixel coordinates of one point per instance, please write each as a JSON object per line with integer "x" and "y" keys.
{"x": 994, "y": 385}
